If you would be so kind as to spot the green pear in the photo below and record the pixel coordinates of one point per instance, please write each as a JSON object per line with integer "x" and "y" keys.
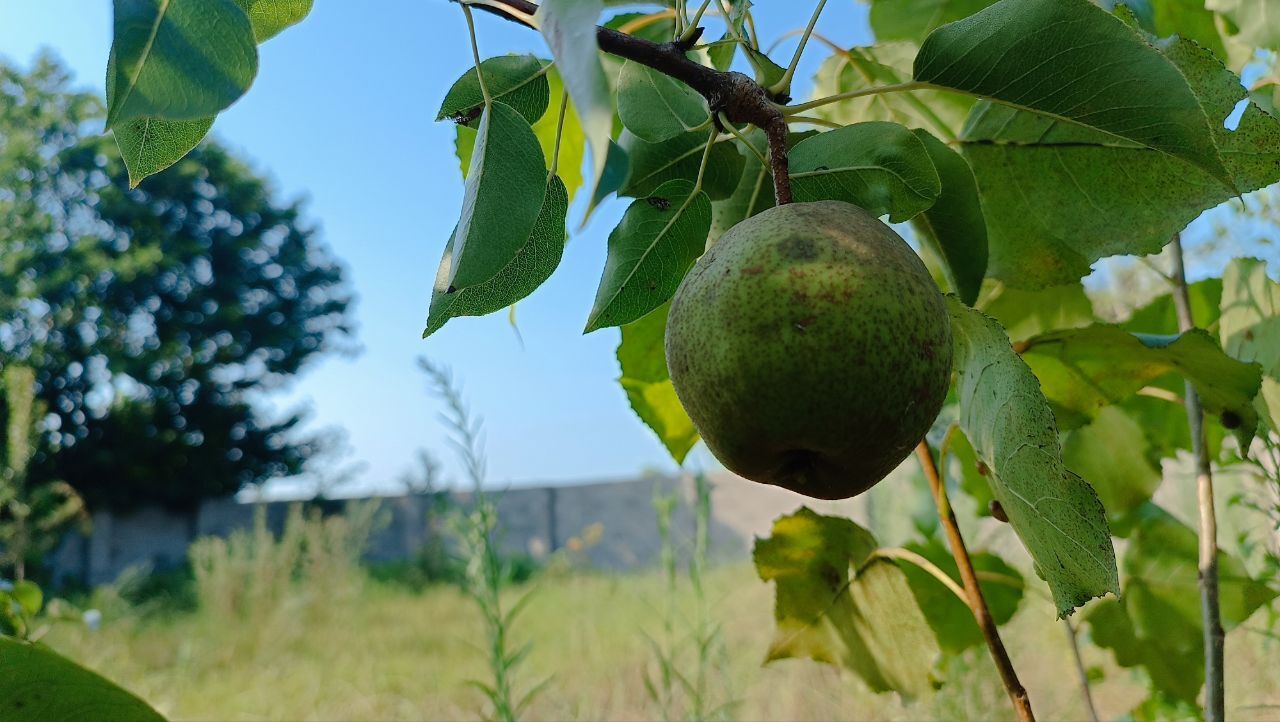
{"x": 811, "y": 349}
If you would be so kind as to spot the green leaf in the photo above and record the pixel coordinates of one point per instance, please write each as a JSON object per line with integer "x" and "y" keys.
{"x": 954, "y": 224}
{"x": 753, "y": 194}
{"x": 1250, "y": 327}
{"x": 502, "y": 198}
{"x": 656, "y": 106}
{"x": 1161, "y": 316}
{"x": 1056, "y": 514}
{"x": 1111, "y": 453}
{"x": 768, "y": 72}
{"x": 1254, "y": 22}
{"x": 901, "y": 20}
{"x": 617, "y": 168}
{"x": 178, "y": 59}
{"x": 653, "y": 164}
{"x": 643, "y": 360}
{"x": 1029, "y": 313}
{"x": 1190, "y": 19}
{"x": 1058, "y": 197}
{"x": 837, "y": 604}
{"x": 949, "y": 616}
{"x": 573, "y": 144}
{"x": 520, "y": 81}
{"x": 882, "y": 167}
{"x": 653, "y": 246}
{"x": 1161, "y": 607}
{"x": 271, "y": 17}
{"x": 28, "y": 596}
{"x": 1083, "y": 370}
{"x": 885, "y": 64}
{"x": 531, "y": 266}
{"x": 973, "y": 472}
{"x": 569, "y": 27}
{"x": 722, "y": 51}
{"x": 37, "y": 685}
{"x": 149, "y": 145}
{"x": 1071, "y": 60}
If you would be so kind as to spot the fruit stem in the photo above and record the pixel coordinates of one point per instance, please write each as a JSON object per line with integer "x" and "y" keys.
{"x": 776, "y": 131}
{"x": 977, "y": 603}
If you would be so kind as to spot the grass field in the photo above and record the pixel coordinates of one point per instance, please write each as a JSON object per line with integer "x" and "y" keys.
{"x": 350, "y": 648}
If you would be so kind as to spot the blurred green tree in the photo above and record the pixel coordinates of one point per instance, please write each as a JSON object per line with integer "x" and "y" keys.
{"x": 154, "y": 317}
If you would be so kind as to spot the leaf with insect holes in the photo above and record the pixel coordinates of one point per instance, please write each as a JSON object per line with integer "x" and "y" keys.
{"x": 1082, "y": 370}
{"x": 652, "y": 164}
{"x": 1250, "y": 327}
{"x": 569, "y": 27}
{"x": 643, "y": 360}
{"x": 37, "y": 684}
{"x": 954, "y": 224}
{"x": 178, "y": 59}
{"x": 882, "y": 167}
{"x": 837, "y": 603}
{"x": 653, "y": 246}
{"x": 503, "y": 195}
{"x": 1008, "y": 420}
{"x": 271, "y": 17}
{"x": 655, "y": 106}
{"x": 1156, "y": 622}
{"x": 520, "y": 81}
{"x": 532, "y": 265}
{"x": 1073, "y": 61}
{"x": 1059, "y": 196}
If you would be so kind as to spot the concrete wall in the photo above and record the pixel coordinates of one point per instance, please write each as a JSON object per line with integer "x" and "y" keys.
{"x": 536, "y": 521}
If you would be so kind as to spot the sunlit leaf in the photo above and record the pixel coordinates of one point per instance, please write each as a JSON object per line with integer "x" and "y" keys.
{"x": 903, "y": 20}
{"x": 643, "y": 361}
{"x": 1056, "y": 514}
{"x": 271, "y": 17}
{"x": 1030, "y": 313}
{"x": 653, "y": 246}
{"x": 886, "y": 64}
{"x": 178, "y": 59}
{"x": 149, "y": 145}
{"x": 569, "y": 27}
{"x": 837, "y": 604}
{"x": 882, "y": 167}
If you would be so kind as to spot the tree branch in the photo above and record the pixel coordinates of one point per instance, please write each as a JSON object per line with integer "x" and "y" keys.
{"x": 1211, "y": 616}
{"x": 977, "y": 603}
{"x": 741, "y": 99}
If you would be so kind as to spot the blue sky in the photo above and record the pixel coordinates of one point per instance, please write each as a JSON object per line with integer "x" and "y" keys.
{"x": 341, "y": 114}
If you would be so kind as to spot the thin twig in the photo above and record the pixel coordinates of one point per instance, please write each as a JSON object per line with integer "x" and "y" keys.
{"x": 1214, "y": 636}
{"x": 977, "y": 603}
{"x": 1082, "y": 675}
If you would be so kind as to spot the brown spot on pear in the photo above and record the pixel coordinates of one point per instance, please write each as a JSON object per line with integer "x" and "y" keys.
{"x": 811, "y": 349}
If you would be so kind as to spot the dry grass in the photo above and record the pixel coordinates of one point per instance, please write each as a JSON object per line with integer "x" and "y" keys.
{"x": 384, "y": 653}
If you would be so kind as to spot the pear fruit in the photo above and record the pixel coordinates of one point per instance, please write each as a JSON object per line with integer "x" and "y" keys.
{"x": 811, "y": 348}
